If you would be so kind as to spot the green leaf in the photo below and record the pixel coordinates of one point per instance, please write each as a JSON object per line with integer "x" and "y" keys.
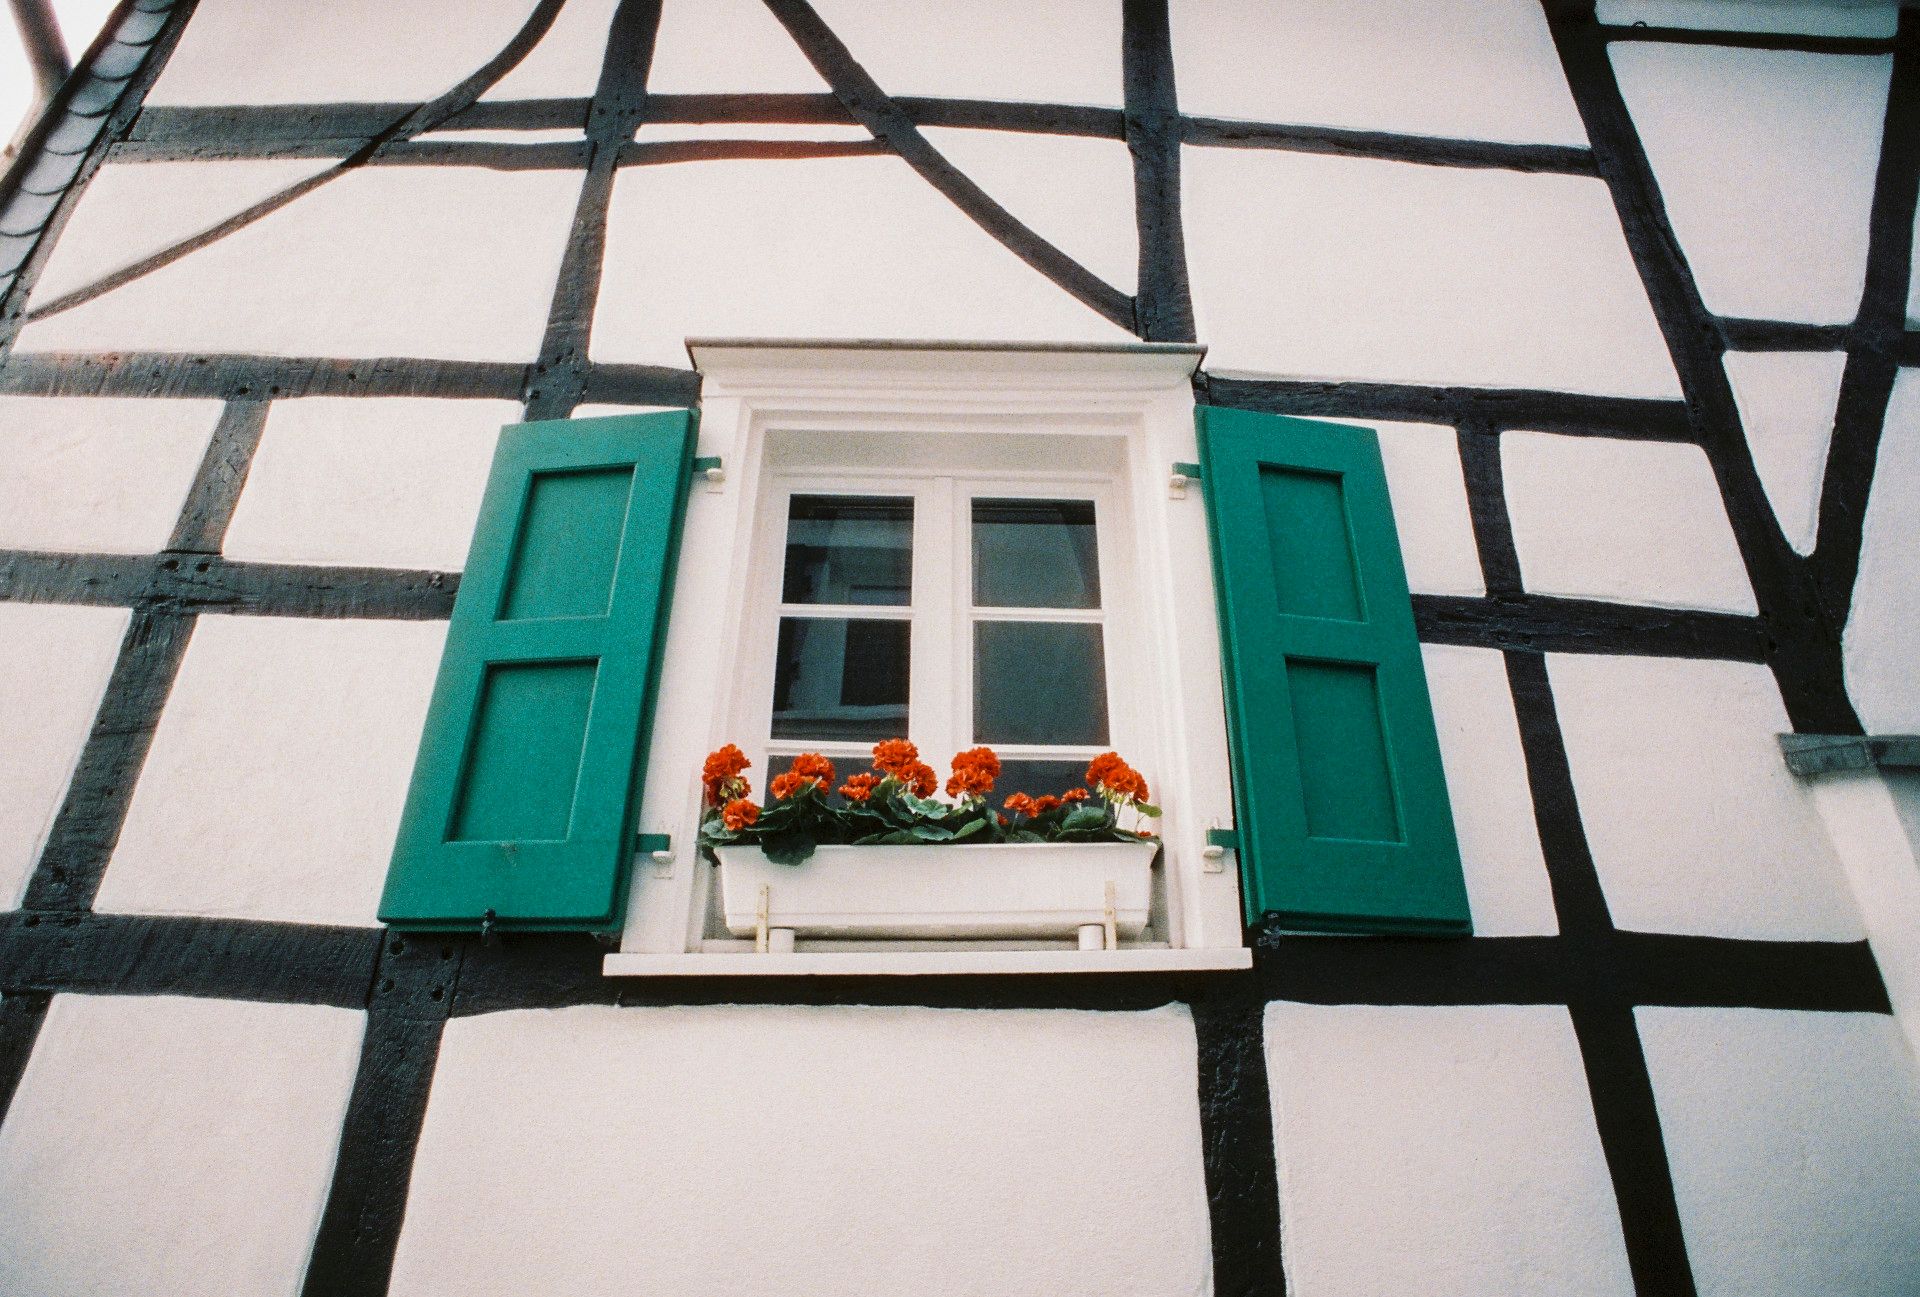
{"x": 1084, "y": 817}
{"x": 788, "y": 848}
{"x": 925, "y": 806}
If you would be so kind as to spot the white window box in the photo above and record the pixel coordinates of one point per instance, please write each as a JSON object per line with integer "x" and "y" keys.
{"x": 995, "y": 890}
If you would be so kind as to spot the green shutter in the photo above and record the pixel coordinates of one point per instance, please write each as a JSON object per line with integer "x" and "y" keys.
{"x": 521, "y": 809}
{"x": 1340, "y": 803}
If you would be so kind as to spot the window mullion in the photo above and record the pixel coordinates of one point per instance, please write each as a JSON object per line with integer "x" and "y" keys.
{"x": 754, "y": 724}
{"x": 934, "y": 670}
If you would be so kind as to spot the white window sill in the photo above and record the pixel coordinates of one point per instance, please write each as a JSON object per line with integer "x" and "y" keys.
{"x": 914, "y": 963}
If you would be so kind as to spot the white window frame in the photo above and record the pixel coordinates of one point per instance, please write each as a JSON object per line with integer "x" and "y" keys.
{"x": 762, "y": 399}
{"x": 941, "y": 611}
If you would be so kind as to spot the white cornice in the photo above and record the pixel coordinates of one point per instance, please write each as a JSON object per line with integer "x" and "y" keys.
{"x": 797, "y": 370}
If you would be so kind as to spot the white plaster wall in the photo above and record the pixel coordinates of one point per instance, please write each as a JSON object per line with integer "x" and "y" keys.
{"x": 244, "y": 52}
{"x": 1904, "y": 786}
{"x": 1478, "y": 69}
{"x": 445, "y": 262}
{"x": 1507, "y": 887}
{"x": 1627, "y": 521}
{"x": 1438, "y": 1151}
{"x": 1429, "y": 494}
{"x": 824, "y": 248}
{"x": 97, "y": 474}
{"x": 1893, "y": 908}
{"x": 1076, "y": 193}
{"x": 1765, "y": 160}
{"x": 1694, "y": 821}
{"x": 505, "y": 135}
{"x": 595, "y": 410}
{"x": 1842, "y": 18}
{"x": 660, "y": 132}
{"x": 1063, "y": 52}
{"x": 129, "y": 211}
{"x": 566, "y": 62}
{"x": 715, "y": 46}
{"x": 392, "y": 482}
{"x": 1883, "y": 630}
{"x": 177, "y": 1146}
{"x": 1787, "y": 401}
{"x": 810, "y": 1151}
{"x": 1321, "y": 267}
{"x": 1795, "y": 1145}
{"x": 58, "y": 661}
{"x": 274, "y": 786}
{"x": 1873, "y": 817}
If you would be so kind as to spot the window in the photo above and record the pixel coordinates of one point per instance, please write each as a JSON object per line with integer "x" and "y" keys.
{"x": 997, "y": 545}
{"x": 950, "y": 610}
{"x": 958, "y": 546}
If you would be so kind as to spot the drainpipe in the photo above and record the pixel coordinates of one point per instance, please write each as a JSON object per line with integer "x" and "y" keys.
{"x": 47, "y": 54}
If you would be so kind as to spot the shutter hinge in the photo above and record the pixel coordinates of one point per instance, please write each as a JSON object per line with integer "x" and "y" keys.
{"x": 1184, "y": 475}
{"x": 1219, "y": 843}
{"x": 709, "y": 468}
{"x": 659, "y": 848}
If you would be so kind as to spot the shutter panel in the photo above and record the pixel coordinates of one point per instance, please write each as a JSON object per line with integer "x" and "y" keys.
{"x": 521, "y": 807}
{"x": 1340, "y": 803}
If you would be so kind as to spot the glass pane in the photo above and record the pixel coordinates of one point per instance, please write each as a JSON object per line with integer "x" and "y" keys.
{"x": 849, "y": 549}
{"x": 1039, "y": 682}
{"x": 837, "y": 678}
{"x": 1038, "y": 778}
{"x": 1034, "y": 554}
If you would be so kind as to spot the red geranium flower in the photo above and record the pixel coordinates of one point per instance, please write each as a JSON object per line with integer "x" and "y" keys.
{"x": 811, "y": 765}
{"x": 720, "y": 777}
{"x": 895, "y": 757}
{"x": 1103, "y": 765}
{"x": 973, "y": 773}
{"x": 920, "y": 778}
{"x": 785, "y": 786}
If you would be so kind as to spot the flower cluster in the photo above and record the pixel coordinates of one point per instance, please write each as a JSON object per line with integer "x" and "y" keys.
{"x": 893, "y": 804}
{"x": 973, "y": 773}
{"x": 720, "y": 778}
{"x": 1116, "y": 781}
{"x": 901, "y": 759}
{"x": 1021, "y": 804}
{"x": 809, "y": 769}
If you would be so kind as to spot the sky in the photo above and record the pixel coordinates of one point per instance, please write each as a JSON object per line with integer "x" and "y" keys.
{"x": 79, "y": 20}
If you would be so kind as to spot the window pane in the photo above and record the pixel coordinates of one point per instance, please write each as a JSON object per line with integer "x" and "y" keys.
{"x": 1038, "y": 778}
{"x": 849, "y": 550}
{"x": 836, "y": 678}
{"x": 1039, "y": 682}
{"x": 1034, "y": 554}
